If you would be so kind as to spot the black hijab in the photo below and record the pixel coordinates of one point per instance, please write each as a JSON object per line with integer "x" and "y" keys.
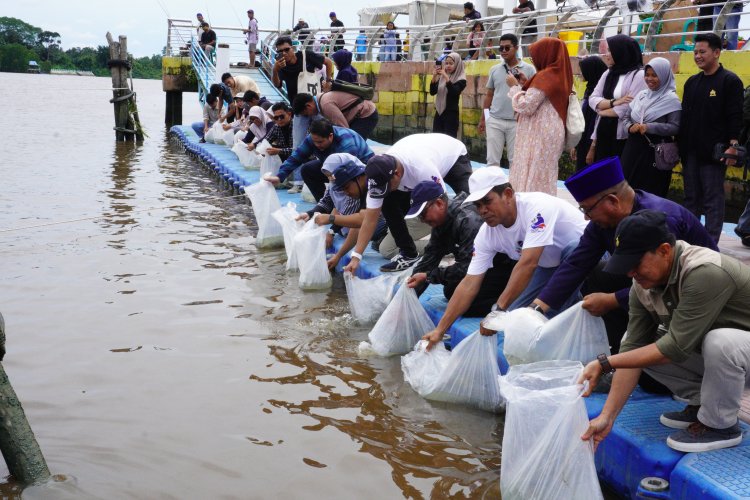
{"x": 592, "y": 69}
{"x": 627, "y": 57}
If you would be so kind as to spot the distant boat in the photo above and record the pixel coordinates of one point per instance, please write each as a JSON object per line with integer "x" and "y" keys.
{"x": 33, "y": 67}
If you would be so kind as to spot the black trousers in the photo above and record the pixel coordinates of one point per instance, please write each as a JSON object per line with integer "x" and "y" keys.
{"x": 397, "y": 203}
{"x": 365, "y": 126}
{"x": 493, "y": 284}
{"x": 314, "y": 178}
{"x": 447, "y": 123}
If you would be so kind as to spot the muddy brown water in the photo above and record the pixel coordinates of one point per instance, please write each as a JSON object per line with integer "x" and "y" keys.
{"x": 158, "y": 354}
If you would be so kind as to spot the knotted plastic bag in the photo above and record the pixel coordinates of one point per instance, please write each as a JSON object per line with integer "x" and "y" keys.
{"x": 469, "y": 374}
{"x": 401, "y": 325}
{"x": 248, "y": 159}
{"x": 522, "y": 327}
{"x": 310, "y": 247}
{"x": 422, "y": 367}
{"x": 263, "y": 197}
{"x": 543, "y": 454}
{"x": 573, "y": 334}
{"x": 286, "y": 216}
{"x": 368, "y": 298}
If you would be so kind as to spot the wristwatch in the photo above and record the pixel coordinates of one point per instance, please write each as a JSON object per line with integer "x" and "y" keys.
{"x": 604, "y": 361}
{"x": 331, "y": 218}
{"x": 537, "y": 308}
{"x": 496, "y": 307}
{"x": 612, "y": 103}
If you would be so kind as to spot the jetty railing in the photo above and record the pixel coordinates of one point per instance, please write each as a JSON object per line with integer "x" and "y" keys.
{"x": 663, "y": 26}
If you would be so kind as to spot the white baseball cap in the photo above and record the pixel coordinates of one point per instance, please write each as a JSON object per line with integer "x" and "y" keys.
{"x": 483, "y": 180}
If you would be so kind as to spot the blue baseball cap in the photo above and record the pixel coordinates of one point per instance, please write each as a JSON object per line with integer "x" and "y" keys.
{"x": 423, "y": 193}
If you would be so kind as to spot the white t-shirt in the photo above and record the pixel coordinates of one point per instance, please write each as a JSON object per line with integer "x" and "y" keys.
{"x": 542, "y": 221}
{"x": 424, "y": 157}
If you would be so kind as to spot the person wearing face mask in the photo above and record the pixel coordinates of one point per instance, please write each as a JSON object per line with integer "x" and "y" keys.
{"x": 653, "y": 118}
{"x": 448, "y": 81}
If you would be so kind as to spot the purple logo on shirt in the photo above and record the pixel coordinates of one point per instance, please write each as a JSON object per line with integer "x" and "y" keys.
{"x": 538, "y": 225}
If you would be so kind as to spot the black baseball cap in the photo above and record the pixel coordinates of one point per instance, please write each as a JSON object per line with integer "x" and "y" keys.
{"x": 637, "y": 234}
{"x": 380, "y": 170}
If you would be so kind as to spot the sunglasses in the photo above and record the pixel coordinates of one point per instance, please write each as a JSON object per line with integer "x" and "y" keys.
{"x": 504, "y": 48}
{"x": 278, "y": 117}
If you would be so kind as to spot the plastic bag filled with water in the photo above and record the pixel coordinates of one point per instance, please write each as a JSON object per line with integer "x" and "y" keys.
{"x": 263, "y": 197}
{"x": 522, "y": 327}
{"x": 573, "y": 334}
{"x": 468, "y": 375}
{"x": 286, "y": 216}
{"x": 368, "y": 298}
{"x": 248, "y": 159}
{"x": 543, "y": 454}
{"x": 401, "y": 325}
{"x": 310, "y": 248}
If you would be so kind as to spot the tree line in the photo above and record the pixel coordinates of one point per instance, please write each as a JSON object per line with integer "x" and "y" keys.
{"x": 21, "y": 42}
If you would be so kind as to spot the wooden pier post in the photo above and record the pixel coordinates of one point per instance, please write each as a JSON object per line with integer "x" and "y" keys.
{"x": 17, "y": 442}
{"x": 127, "y": 124}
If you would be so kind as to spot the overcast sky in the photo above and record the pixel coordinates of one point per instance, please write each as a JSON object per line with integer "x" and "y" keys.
{"x": 85, "y": 23}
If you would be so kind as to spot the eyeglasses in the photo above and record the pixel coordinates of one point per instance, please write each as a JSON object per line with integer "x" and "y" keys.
{"x": 504, "y": 48}
{"x": 278, "y": 117}
{"x": 282, "y": 51}
{"x": 587, "y": 211}
{"x": 425, "y": 209}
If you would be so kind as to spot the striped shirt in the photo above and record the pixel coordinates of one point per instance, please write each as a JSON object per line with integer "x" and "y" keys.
{"x": 344, "y": 141}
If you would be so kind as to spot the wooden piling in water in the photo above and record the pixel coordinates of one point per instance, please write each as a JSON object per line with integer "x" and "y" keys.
{"x": 17, "y": 442}
{"x": 127, "y": 123}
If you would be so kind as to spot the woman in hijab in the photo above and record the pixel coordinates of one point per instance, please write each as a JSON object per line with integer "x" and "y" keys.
{"x": 612, "y": 95}
{"x": 592, "y": 69}
{"x": 343, "y": 61}
{"x": 653, "y": 118}
{"x": 261, "y": 122}
{"x": 542, "y": 107}
{"x": 448, "y": 81}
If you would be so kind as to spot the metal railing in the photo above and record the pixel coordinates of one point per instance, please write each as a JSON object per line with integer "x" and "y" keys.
{"x": 662, "y": 28}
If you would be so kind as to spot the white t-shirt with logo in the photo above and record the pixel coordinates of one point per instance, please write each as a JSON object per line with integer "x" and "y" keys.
{"x": 542, "y": 221}
{"x": 424, "y": 157}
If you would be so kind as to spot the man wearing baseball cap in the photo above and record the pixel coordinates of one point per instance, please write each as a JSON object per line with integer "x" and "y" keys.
{"x": 343, "y": 201}
{"x": 454, "y": 226}
{"x": 390, "y": 178}
{"x": 535, "y": 230}
{"x": 338, "y": 40}
{"x": 605, "y": 198}
{"x": 689, "y": 328}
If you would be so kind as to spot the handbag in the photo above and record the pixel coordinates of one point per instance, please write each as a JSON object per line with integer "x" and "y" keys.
{"x": 575, "y": 123}
{"x": 307, "y": 82}
{"x": 666, "y": 154}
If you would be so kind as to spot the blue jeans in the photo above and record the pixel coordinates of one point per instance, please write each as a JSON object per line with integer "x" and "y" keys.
{"x": 539, "y": 279}
{"x": 198, "y": 128}
{"x": 704, "y": 192}
{"x": 733, "y": 22}
{"x": 389, "y": 53}
{"x": 743, "y": 225}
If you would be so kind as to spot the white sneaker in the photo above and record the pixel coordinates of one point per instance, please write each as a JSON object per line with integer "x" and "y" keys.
{"x": 295, "y": 189}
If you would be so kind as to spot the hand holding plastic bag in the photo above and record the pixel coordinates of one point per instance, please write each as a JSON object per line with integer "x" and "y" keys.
{"x": 248, "y": 159}
{"x": 263, "y": 197}
{"x": 270, "y": 165}
{"x": 401, "y": 325}
{"x": 227, "y": 137}
{"x": 310, "y": 247}
{"x": 368, "y": 298}
{"x": 573, "y": 334}
{"x": 469, "y": 374}
{"x": 422, "y": 368}
{"x": 286, "y": 216}
{"x": 543, "y": 454}
{"x": 210, "y": 135}
{"x": 522, "y": 327}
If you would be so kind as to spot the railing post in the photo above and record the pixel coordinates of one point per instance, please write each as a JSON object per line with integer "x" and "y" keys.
{"x": 649, "y": 43}
{"x": 599, "y": 31}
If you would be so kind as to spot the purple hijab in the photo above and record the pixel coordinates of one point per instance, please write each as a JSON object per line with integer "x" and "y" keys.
{"x": 343, "y": 60}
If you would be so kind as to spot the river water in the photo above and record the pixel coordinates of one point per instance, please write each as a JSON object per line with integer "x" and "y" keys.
{"x": 158, "y": 354}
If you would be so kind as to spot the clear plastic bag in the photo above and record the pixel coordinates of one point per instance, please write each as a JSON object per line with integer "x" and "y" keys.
{"x": 543, "y": 454}
{"x": 573, "y": 334}
{"x": 422, "y": 367}
{"x": 263, "y": 197}
{"x": 286, "y": 216}
{"x": 522, "y": 327}
{"x": 227, "y": 137}
{"x": 248, "y": 159}
{"x": 210, "y": 136}
{"x": 368, "y": 298}
{"x": 310, "y": 244}
{"x": 270, "y": 165}
{"x": 307, "y": 195}
{"x": 401, "y": 325}
{"x": 469, "y": 375}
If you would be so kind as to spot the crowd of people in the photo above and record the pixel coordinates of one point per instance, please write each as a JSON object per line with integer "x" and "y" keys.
{"x": 643, "y": 263}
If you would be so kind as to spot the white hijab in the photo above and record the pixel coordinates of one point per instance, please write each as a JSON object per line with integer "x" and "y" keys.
{"x": 264, "y": 116}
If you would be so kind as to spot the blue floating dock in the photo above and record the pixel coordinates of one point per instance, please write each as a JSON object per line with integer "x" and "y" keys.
{"x": 635, "y": 449}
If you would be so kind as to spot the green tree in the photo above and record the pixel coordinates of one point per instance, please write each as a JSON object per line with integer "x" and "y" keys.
{"x": 47, "y": 40}
{"x": 15, "y": 58}
{"x": 15, "y": 31}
